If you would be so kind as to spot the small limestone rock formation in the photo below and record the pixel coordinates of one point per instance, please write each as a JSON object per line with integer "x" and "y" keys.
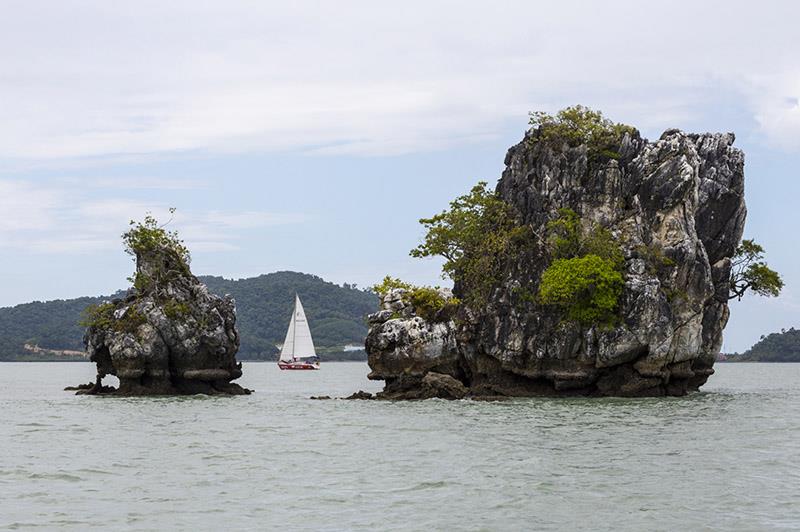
{"x": 169, "y": 335}
{"x": 682, "y": 195}
{"x": 410, "y": 349}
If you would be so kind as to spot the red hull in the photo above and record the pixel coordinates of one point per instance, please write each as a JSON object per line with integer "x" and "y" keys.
{"x": 297, "y": 366}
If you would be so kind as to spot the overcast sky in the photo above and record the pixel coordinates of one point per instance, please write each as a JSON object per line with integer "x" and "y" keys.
{"x": 312, "y": 136}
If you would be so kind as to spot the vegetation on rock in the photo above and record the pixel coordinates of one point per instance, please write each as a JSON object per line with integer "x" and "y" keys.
{"x": 475, "y": 237}
{"x": 428, "y": 302}
{"x": 579, "y": 125}
{"x": 148, "y": 236}
{"x": 103, "y": 316}
{"x": 750, "y": 272}
{"x": 586, "y": 288}
{"x": 584, "y": 278}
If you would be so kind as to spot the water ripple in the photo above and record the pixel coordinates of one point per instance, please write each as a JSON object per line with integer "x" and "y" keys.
{"x": 724, "y": 459}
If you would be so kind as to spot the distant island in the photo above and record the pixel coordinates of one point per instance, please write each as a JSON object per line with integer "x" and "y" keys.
{"x": 42, "y": 331}
{"x": 776, "y": 347}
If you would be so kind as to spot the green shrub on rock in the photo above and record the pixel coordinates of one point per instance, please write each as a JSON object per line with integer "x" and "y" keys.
{"x": 585, "y": 278}
{"x": 579, "y": 125}
{"x": 586, "y": 288}
{"x": 102, "y": 317}
{"x": 175, "y": 310}
{"x": 428, "y": 302}
{"x": 148, "y": 236}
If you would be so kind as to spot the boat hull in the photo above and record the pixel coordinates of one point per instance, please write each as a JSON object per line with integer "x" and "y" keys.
{"x": 297, "y": 366}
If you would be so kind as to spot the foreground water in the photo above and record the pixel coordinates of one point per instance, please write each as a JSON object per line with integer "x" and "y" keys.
{"x": 724, "y": 459}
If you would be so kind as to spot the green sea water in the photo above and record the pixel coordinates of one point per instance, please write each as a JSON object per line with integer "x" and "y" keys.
{"x": 727, "y": 458}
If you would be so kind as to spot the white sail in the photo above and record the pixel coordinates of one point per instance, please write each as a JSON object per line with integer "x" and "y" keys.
{"x": 299, "y": 343}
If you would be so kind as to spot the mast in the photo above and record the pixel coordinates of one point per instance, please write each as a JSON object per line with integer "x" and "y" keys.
{"x": 294, "y": 329}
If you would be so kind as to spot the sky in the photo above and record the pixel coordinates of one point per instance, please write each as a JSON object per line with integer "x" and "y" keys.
{"x": 312, "y": 136}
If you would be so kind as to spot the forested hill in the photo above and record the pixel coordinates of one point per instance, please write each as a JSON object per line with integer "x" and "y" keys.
{"x": 776, "y": 347}
{"x": 335, "y": 313}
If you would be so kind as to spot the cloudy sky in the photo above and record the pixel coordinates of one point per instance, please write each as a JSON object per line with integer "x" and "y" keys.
{"x": 312, "y": 135}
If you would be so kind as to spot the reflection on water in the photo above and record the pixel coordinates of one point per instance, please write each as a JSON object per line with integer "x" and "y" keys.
{"x": 723, "y": 459}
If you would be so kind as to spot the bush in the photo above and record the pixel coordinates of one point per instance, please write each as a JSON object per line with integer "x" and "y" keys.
{"x": 427, "y": 301}
{"x": 584, "y": 278}
{"x": 98, "y": 316}
{"x": 174, "y": 309}
{"x": 579, "y": 125}
{"x": 389, "y": 283}
{"x": 586, "y": 288}
{"x": 148, "y": 236}
{"x": 102, "y": 317}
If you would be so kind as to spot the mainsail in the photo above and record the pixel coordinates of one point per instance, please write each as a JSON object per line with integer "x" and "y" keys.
{"x": 299, "y": 343}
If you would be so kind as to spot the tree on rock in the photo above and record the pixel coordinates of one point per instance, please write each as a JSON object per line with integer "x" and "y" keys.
{"x": 750, "y": 272}
{"x": 168, "y": 335}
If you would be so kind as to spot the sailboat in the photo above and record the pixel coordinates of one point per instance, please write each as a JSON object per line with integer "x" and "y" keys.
{"x": 298, "y": 350}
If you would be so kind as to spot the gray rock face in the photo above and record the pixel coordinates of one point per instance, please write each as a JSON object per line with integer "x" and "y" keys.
{"x": 682, "y": 195}
{"x": 172, "y": 338}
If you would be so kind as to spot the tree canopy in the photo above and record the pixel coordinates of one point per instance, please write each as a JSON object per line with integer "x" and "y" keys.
{"x": 474, "y": 237}
{"x": 749, "y": 271}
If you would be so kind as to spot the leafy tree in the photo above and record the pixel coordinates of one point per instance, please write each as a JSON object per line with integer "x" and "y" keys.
{"x": 474, "y": 237}
{"x": 750, "y": 272}
{"x": 578, "y": 125}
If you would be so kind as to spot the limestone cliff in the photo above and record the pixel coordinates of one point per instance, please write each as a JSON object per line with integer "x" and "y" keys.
{"x": 168, "y": 336}
{"x": 680, "y": 197}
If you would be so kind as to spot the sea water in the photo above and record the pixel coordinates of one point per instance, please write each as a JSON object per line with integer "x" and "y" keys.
{"x": 727, "y": 458}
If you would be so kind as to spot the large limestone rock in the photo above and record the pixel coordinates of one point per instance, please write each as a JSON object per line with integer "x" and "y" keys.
{"x": 170, "y": 337}
{"x": 680, "y": 198}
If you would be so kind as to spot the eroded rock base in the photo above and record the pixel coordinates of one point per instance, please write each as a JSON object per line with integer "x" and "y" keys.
{"x": 136, "y": 387}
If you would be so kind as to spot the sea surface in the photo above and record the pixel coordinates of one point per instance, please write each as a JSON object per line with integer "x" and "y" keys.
{"x": 727, "y": 458}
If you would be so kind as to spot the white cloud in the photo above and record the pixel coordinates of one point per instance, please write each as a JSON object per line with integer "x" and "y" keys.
{"x": 55, "y": 218}
{"x": 134, "y": 183}
{"x": 86, "y": 79}
{"x": 25, "y": 207}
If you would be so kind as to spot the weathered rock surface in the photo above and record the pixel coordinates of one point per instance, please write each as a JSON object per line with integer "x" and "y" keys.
{"x": 682, "y": 195}
{"x": 173, "y": 337}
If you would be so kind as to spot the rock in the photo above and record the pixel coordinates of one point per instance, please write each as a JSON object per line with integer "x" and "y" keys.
{"x": 79, "y": 387}
{"x": 416, "y": 346}
{"x": 361, "y": 395}
{"x": 91, "y": 388}
{"x": 380, "y": 317}
{"x": 682, "y": 195}
{"x": 442, "y": 386}
{"x": 168, "y": 336}
{"x": 320, "y": 397}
